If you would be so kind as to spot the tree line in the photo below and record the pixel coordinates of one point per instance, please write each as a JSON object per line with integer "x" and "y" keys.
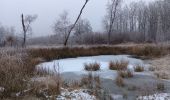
{"x": 137, "y": 22}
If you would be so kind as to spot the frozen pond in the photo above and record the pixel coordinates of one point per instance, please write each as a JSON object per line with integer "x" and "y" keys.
{"x": 73, "y": 69}
{"x": 76, "y": 65}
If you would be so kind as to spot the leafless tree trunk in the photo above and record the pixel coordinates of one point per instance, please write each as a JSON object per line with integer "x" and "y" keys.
{"x": 26, "y": 26}
{"x": 24, "y": 31}
{"x": 81, "y": 11}
{"x": 113, "y": 11}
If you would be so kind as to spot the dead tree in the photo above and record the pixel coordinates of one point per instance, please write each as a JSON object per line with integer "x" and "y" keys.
{"x": 72, "y": 27}
{"x": 26, "y": 26}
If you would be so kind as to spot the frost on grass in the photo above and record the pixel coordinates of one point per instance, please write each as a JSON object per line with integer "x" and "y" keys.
{"x": 81, "y": 94}
{"x": 161, "y": 96}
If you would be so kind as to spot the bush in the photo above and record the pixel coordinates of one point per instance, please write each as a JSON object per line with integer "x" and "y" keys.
{"x": 118, "y": 65}
{"x": 92, "y": 67}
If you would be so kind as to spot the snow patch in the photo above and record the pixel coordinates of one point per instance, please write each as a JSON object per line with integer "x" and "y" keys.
{"x": 81, "y": 94}
{"x": 161, "y": 96}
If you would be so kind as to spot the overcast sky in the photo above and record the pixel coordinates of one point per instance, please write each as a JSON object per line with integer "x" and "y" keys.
{"x": 48, "y": 11}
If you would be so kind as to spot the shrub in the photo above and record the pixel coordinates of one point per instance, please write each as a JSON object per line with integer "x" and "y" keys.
{"x": 139, "y": 68}
{"x": 118, "y": 65}
{"x": 125, "y": 74}
{"x": 92, "y": 67}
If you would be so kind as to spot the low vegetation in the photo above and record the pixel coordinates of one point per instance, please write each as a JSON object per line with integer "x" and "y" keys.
{"x": 15, "y": 71}
{"x": 92, "y": 66}
{"x": 125, "y": 74}
{"x": 151, "y": 68}
{"x": 162, "y": 75}
{"x": 120, "y": 81}
{"x": 145, "y": 51}
{"x": 118, "y": 65}
{"x": 18, "y": 65}
{"x": 91, "y": 81}
{"x": 160, "y": 86}
{"x": 139, "y": 68}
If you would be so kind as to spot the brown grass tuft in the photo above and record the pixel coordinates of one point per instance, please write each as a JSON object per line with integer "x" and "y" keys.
{"x": 160, "y": 86}
{"x": 118, "y": 65}
{"x": 125, "y": 74}
{"x": 92, "y": 66}
{"x": 139, "y": 68}
{"x": 14, "y": 71}
{"x": 120, "y": 81}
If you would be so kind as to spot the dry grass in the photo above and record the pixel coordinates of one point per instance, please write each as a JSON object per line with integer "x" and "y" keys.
{"x": 14, "y": 71}
{"x": 18, "y": 65}
{"x": 160, "y": 86}
{"x": 125, "y": 74}
{"x": 146, "y": 51}
{"x": 120, "y": 81}
{"x": 151, "y": 68}
{"x": 91, "y": 82}
{"x": 139, "y": 68}
{"x": 92, "y": 66}
{"x": 47, "y": 87}
{"x": 162, "y": 67}
{"x": 118, "y": 65}
{"x": 162, "y": 75}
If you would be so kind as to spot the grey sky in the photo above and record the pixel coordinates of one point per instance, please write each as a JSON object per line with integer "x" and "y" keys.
{"x": 48, "y": 11}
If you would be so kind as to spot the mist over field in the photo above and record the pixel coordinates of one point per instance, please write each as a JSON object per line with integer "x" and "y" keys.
{"x": 48, "y": 11}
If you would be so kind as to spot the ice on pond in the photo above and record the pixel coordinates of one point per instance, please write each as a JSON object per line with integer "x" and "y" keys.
{"x": 76, "y": 65}
{"x": 161, "y": 96}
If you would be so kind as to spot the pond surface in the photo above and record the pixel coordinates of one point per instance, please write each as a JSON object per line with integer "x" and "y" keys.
{"x": 73, "y": 69}
{"x": 76, "y": 65}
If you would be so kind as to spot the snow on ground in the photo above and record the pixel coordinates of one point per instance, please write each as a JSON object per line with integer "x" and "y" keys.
{"x": 117, "y": 97}
{"x": 161, "y": 96}
{"x": 81, "y": 94}
{"x": 76, "y": 65}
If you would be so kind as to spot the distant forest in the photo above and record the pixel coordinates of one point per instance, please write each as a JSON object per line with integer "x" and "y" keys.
{"x": 136, "y": 22}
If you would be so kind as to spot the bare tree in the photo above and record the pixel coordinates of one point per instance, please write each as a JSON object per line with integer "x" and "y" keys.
{"x": 72, "y": 27}
{"x": 62, "y": 26}
{"x": 82, "y": 28}
{"x": 26, "y": 26}
{"x": 112, "y": 11}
